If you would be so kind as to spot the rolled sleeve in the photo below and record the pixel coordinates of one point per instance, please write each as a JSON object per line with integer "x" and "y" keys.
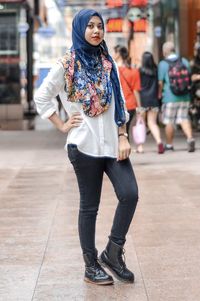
{"x": 49, "y": 89}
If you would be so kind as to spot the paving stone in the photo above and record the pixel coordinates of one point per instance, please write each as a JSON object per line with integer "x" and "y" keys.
{"x": 40, "y": 256}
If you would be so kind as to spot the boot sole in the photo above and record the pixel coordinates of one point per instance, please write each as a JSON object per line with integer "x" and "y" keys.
{"x": 113, "y": 272}
{"x": 98, "y": 283}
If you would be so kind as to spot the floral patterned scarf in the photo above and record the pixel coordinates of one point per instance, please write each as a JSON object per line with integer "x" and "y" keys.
{"x": 92, "y": 89}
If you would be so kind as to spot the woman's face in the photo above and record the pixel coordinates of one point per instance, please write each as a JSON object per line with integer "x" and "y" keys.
{"x": 94, "y": 32}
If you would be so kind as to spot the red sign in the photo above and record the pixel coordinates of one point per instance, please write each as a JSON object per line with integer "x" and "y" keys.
{"x": 114, "y": 25}
{"x": 140, "y": 25}
{"x": 114, "y": 3}
{"x": 138, "y": 2}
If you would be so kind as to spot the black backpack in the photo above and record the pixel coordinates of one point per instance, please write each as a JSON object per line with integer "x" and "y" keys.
{"x": 179, "y": 77}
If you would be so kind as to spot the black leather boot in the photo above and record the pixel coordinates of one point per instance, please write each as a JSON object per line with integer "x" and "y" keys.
{"x": 94, "y": 273}
{"x": 111, "y": 258}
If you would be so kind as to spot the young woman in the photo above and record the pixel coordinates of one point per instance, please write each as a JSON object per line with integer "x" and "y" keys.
{"x": 130, "y": 81}
{"x": 149, "y": 97}
{"x": 87, "y": 81}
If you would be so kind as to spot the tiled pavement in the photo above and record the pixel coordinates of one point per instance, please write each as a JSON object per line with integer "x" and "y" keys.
{"x": 40, "y": 257}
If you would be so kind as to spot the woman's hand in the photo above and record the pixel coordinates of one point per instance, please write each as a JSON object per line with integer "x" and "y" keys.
{"x": 74, "y": 121}
{"x": 195, "y": 77}
{"x": 124, "y": 148}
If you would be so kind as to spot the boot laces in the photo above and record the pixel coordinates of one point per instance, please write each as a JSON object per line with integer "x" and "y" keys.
{"x": 99, "y": 270}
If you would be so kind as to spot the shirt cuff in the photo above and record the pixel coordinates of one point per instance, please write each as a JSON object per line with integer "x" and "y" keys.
{"x": 48, "y": 113}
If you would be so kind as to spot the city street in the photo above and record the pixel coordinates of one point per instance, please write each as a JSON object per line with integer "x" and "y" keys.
{"x": 40, "y": 256}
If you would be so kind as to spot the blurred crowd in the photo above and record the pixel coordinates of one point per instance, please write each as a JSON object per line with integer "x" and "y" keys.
{"x": 164, "y": 95}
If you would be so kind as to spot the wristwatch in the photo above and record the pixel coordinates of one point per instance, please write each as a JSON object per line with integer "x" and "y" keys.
{"x": 123, "y": 134}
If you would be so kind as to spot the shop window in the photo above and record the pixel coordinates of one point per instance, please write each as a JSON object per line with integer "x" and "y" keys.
{"x": 8, "y": 33}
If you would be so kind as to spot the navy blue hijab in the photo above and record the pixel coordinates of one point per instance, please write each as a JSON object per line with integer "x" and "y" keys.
{"x": 85, "y": 51}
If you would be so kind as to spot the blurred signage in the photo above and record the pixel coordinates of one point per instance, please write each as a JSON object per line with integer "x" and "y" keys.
{"x": 134, "y": 14}
{"x": 158, "y": 31}
{"x": 114, "y": 3}
{"x": 114, "y": 25}
{"x": 117, "y": 24}
{"x": 140, "y": 25}
{"x": 46, "y": 31}
{"x": 9, "y": 60}
{"x": 138, "y": 2}
{"x": 23, "y": 27}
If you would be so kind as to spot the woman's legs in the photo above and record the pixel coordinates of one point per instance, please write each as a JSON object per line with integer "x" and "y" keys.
{"x": 124, "y": 182}
{"x": 89, "y": 172}
{"x": 153, "y": 126}
{"x": 123, "y": 179}
{"x": 140, "y": 148}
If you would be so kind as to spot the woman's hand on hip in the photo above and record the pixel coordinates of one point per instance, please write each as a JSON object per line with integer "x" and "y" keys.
{"x": 124, "y": 148}
{"x": 74, "y": 121}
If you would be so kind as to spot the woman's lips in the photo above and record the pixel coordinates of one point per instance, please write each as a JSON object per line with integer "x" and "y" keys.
{"x": 96, "y": 38}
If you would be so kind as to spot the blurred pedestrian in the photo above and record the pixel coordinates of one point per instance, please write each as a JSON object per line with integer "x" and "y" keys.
{"x": 130, "y": 81}
{"x": 149, "y": 97}
{"x": 87, "y": 81}
{"x": 195, "y": 71}
{"x": 173, "y": 75}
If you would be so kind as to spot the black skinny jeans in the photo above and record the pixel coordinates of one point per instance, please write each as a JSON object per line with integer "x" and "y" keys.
{"x": 89, "y": 172}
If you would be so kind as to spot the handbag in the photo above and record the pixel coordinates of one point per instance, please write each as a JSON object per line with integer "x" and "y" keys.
{"x": 139, "y": 131}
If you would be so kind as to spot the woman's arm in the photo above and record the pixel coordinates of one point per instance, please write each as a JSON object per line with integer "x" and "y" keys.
{"x": 137, "y": 97}
{"x": 49, "y": 89}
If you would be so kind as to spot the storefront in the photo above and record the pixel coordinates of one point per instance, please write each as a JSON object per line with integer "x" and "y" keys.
{"x": 189, "y": 28}
{"x": 16, "y": 30}
{"x": 176, "y": 21}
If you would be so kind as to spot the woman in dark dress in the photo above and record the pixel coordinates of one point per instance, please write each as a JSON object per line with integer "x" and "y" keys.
{"x": 149, "y": 97}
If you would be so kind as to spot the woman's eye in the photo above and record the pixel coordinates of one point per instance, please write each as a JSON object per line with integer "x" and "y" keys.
{"x": 91, "y": 26}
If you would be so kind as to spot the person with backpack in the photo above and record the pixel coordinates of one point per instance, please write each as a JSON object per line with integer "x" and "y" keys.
{"x": 174, "y": 89}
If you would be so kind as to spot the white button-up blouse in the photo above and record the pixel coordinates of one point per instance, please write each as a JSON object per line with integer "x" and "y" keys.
{"x": 96, "y": 136}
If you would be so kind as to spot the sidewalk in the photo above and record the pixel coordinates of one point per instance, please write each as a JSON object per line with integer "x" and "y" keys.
{"x": 40, "y": 257}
